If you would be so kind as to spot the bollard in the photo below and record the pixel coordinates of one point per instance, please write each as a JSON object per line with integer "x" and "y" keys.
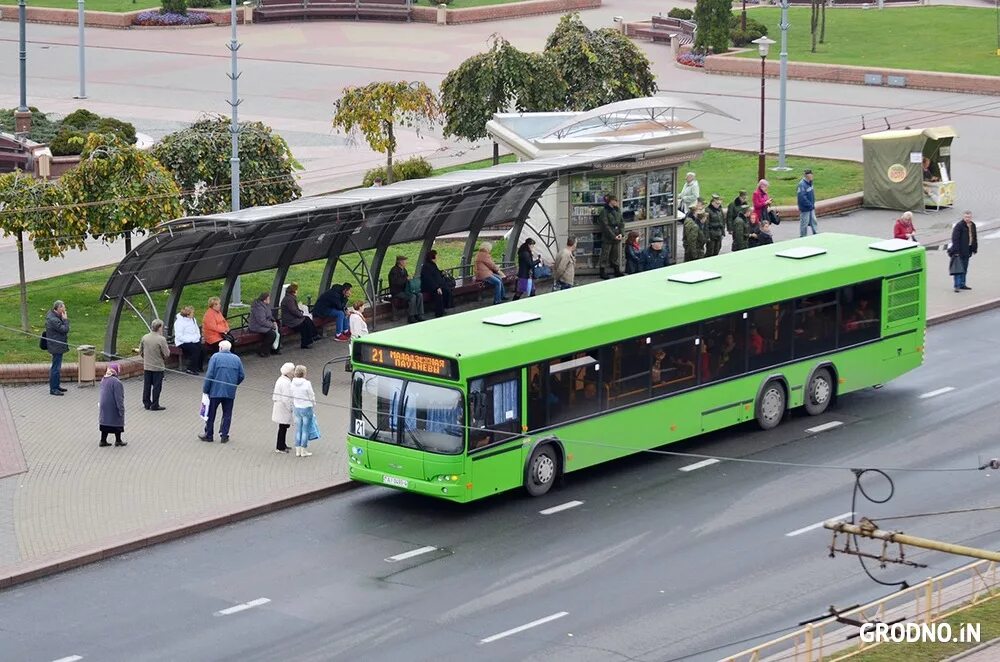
{"x": 442, "y": 14}
{"x": 86, "y": 358}
{"x": 247, "y": 13}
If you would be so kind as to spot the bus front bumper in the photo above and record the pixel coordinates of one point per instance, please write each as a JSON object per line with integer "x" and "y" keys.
{"x": 451, "y": 490}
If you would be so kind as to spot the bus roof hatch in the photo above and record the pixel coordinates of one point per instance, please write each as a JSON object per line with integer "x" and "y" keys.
{"x": 512, "y": 319}
{"x": 691, "y": 277}
{"x": 893, "y": 245}
{"x": 801, "y": 252}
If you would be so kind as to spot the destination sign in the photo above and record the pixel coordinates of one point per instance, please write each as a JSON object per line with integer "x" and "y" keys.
{"x": 401, "y": 359}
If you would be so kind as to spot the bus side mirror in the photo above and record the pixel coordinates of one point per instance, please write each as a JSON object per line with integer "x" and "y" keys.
{"x": 327, "y": 376}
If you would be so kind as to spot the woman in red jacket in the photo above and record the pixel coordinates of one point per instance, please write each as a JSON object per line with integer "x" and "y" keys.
{"x": 761, "y": 200}
{"x": 904, "y": 227}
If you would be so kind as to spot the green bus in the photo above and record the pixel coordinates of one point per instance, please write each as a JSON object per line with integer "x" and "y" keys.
{"x": 484, "y": 401}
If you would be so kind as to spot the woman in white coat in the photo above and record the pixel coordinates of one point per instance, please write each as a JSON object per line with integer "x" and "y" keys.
{"x": 283, "y": 410}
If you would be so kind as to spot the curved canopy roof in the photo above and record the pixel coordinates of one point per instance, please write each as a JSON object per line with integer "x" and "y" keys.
{"x": 622, "y": 114}
{"x": 199, "y": 249}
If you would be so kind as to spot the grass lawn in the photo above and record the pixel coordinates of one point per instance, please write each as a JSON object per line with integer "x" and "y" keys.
{"x": 899, "y": 37}
{"x": 987, "y": 615}
{"x": 726, "y": 172}
{"x": 719, "y": 171}
{"x": 92, "y": 5}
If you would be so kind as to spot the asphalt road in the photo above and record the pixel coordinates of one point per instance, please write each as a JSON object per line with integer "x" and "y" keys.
{"x": 655, "y": 564}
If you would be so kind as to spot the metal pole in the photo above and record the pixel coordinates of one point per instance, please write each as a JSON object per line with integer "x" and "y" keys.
{"x": 869, "y": 530}
{"x": 22, "y": 18}
{"x": 784, "y": 84}
{"x": 760, "y": 156}
{"x": 83, "y": 76}
{"x": 234, "y": 130}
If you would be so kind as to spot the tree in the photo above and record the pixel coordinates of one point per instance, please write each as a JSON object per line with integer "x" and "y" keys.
{"x": 117, "y": 190}
{"x": 713, "y": 20}
{"x": 598, "y": 66}
{"x": 502, "y": 79}
{"x": 376, "y": 109}
{"x": 33, "y": 207}
{"x": 817, "y": 21}
{"x": 198, "y": 159}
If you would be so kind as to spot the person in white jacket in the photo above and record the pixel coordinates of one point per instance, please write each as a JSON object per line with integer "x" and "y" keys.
{"x": 304, "y": 401}
{"x": 283, "y": 410}
{"x": 187, "y": 337}
{"x": 358, "y": 326}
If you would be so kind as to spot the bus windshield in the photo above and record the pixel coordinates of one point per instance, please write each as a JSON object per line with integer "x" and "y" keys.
{"x": 408, "y": 413}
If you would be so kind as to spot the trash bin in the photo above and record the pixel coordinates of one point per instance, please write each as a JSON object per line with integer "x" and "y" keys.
{"x": 87, "y": 357}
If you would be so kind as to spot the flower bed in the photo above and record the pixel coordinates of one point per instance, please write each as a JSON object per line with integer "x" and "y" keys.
{"x": 690, "y": 59}
{"x": 154, "y": 17}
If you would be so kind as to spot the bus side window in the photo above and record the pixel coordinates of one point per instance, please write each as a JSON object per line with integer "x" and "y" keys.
{"x": 574, "y": 387}
{"x": 860, "y": 306}
{"x": 494, "y": 409}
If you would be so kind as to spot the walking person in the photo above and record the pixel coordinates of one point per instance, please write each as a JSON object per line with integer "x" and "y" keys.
{"x": 225, "y": 373}
{"x": 154, "y": 352}
{"x": 187, "y": 337}
{"x": 56, "y": 336}
{"x": 304, "y": 401}
{"x": 964, "y": 244}
{"x": 403, "y": 289}
{"x": 262, "y": 321}
{"x": 526, "y": 263}
{"x": 564, "y": 267}
{"x": 282, "y": 410}
{"x": 111, "y": 406}
{"x": 612, "y": 228}
{"x": 806, "y": 195}
{"x": 632, "y": 252}
{"x": 488, "y": 273}
{"x": 215, "y": 326}
{"x": 904, "y": 227}
{"x": 293, "y": 317}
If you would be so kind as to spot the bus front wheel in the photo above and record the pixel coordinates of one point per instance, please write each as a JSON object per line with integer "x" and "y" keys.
{"x": 543, "y": 466}
{"x": 771, "y": 405}
{"x": 819, "y": 392}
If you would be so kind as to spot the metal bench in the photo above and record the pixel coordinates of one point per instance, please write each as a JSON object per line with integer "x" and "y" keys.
{"x": 356, "y": 9}
{"x": 667, "y": 29}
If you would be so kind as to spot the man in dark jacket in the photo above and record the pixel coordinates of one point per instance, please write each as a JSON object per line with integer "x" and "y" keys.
{"x": 333, "y": 304}
{"x": 715, "y": 228}
{"x": 762, "y": 235}
{"x": 434, "y": 282}
{"x": 612, "y": 227}
{"x": 741, "y": 229}
{"x": 806, "y": 198}
{"x": 56, "y": 335}
{"x": 399, "y": 288}
{"x": 655, "y": 256}
{"x": 964, "y": 244}
{"x": 734, "y": 208}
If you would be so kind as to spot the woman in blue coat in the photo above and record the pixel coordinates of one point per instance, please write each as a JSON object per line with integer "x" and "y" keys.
{"x": 111, "y": 410}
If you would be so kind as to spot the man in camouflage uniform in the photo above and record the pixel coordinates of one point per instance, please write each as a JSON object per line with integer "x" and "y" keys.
{"x": 741, "y": 228}
{"x": 734, "y": 208}
{"x": 716, "y": 226}
{"x": 694, "y": 232}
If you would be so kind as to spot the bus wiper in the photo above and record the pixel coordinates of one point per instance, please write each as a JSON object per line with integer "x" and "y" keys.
{"x": 375, "y": 428}
{"x": 414, "y": 438}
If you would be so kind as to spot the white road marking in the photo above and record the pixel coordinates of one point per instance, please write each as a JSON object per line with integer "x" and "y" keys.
{"x": 940, "y": 391}
{"x": 817, "y": 525}
{"x": 410, "y": 554}
{"x": 825, "y": 426}
{"x": 522, "y": 628}
{"x": 243, "y": 607}
{"x": 71, "y": 658}
{"x": 561, "y": 507}
{"x": 699, "y": 465}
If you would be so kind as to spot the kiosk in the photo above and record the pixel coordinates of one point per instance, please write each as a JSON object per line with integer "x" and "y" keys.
{"x": 909, "y": 169}
{"x": 646, "y": 187}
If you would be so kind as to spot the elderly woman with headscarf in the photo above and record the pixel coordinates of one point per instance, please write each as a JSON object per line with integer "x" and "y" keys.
{"x": 111, "y": 407}
{"x": 904, "y": 227}
{"x": 282, "y": 411}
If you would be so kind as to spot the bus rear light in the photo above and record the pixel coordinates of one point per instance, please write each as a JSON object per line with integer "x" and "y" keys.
{"x": 468, "y": 486}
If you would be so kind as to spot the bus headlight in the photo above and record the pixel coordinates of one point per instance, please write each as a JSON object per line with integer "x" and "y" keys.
{"x": 447, "y": 478}
{"x": 357, "y": 450}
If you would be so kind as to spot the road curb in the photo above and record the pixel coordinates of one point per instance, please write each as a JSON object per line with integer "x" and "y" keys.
{"x": 972, "y": 651}
{"x": 963, "y": 312}
{"x": 67, "y": 561}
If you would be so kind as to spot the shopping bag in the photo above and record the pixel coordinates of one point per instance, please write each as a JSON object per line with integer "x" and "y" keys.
{"x": 277, "y": 341}
{"x": 203, "y": 412}
{"x": 313, "y": 429}
{"x": 956, "y": 266}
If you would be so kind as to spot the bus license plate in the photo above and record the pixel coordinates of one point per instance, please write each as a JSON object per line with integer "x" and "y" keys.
{"x": 397, "y": 482}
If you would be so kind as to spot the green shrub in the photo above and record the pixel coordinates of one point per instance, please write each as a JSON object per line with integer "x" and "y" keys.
{"x": 201, "y": 4}
{"x": 68, "y": 142}
{"x": 682, "y": 13}
{"x": 42, "y": 128}
{"x": 81, "y": 119}
{"x": 755, "y": 30}
{"x": 173, "y": 7}
{"x": 123, "y": 130}
{"x": 415, "y": 168}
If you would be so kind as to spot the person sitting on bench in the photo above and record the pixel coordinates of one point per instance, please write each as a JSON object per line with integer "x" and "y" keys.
{"x": 400, "y": 287}
{"x": 434, "y": 282}
{"x": 333, "y": 304}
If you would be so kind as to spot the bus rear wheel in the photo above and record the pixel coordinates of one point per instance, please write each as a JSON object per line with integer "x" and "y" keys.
{"x": 771, "y": 404}
{"x": 543, "y": 466}
{"x": 819, "y": 392}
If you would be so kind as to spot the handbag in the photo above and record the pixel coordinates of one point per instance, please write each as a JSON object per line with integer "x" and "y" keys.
{"x": 955, "y": 266}
{"x": 203, "y": 410}
{"x": 43, "y": 342}
{"x": 773, "y": 217}
{"x": 314, "y": 429}
{"x": 229, "y": 337}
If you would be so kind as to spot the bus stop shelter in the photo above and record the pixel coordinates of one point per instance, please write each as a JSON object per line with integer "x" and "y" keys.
{"x": 355, "y": 228}
{"x": 894, "y": 174}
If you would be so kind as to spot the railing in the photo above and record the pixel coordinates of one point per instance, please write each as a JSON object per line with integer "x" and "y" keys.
{"x": 925, "y": 603}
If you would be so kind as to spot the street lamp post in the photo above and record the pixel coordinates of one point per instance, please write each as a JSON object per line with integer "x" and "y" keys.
{"x": 22, "y": 54}
{"x": 763, "y": 45}
{"x": 783, "y": 69}
{"x": 234, "y": 130}
{"x": 83, "y": 77}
